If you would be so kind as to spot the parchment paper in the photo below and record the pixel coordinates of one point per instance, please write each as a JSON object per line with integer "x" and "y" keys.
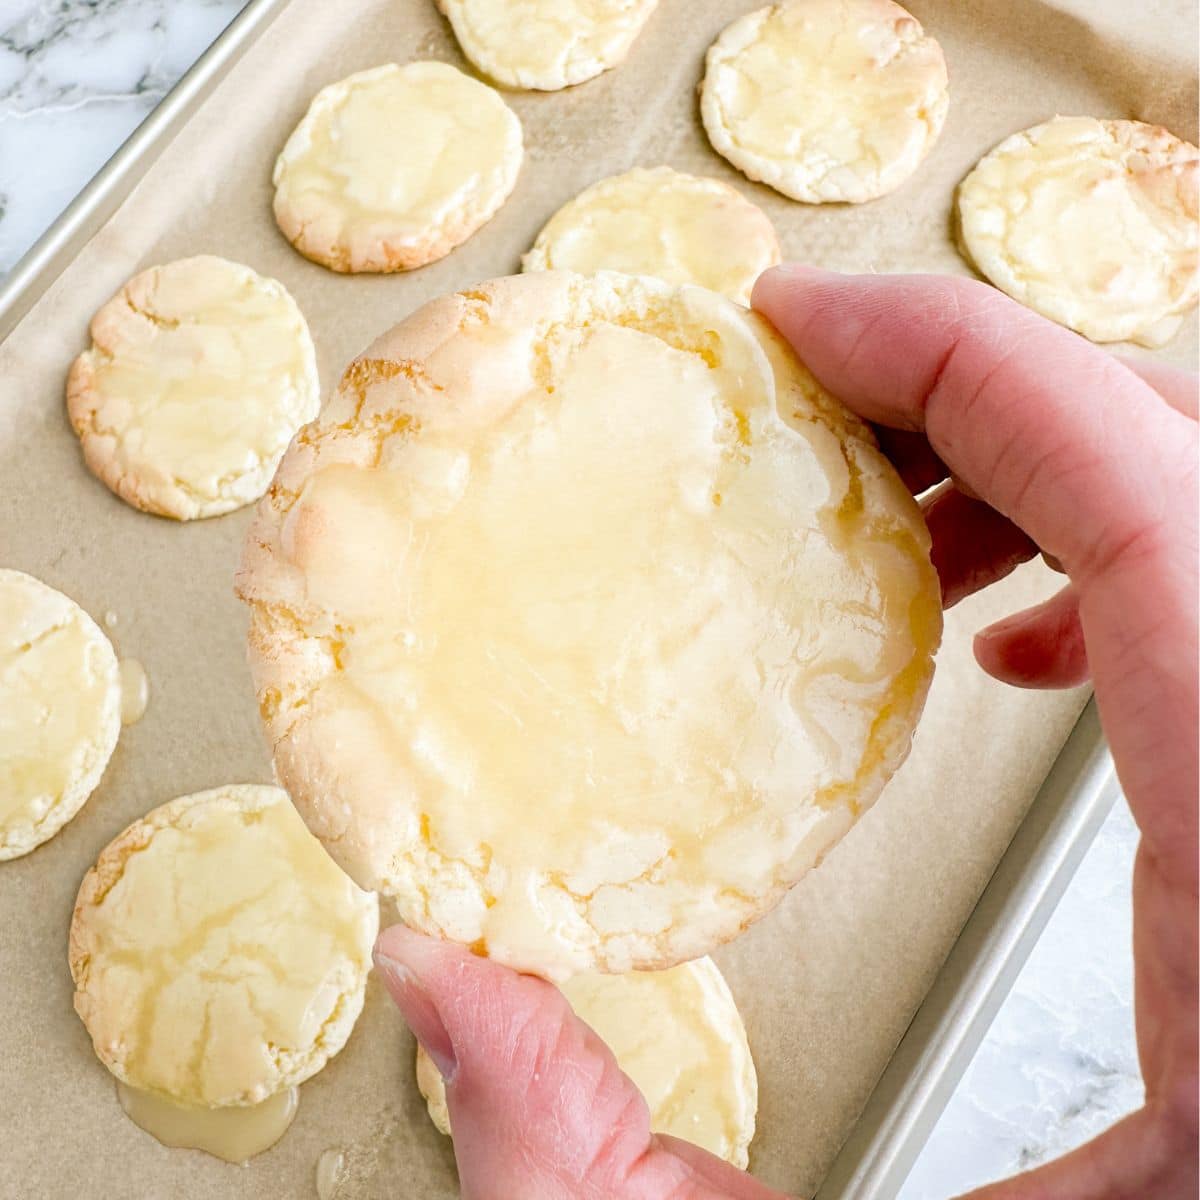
{"x": 827, "y": 983}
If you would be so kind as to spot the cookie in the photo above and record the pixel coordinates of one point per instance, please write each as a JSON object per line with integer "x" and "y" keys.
{"x": 584, "y": 622}
{"x": 219, "y": 955}
{"x": 1090, "y": 223}
{"x": 199, "y": 373}
{"x": 679, "y": 1036}
{"x": 545, "y": 45}
{"x": 660, "y": 222}
{"x": 60, "y": 710}
{"x": 393, "y": 167}
{"x": 826, "y": 100}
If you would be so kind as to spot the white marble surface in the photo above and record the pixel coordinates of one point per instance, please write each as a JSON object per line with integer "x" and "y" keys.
{"x": 76, "y": 76}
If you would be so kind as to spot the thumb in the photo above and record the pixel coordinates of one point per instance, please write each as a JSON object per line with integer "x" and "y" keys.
{"x": 1047, "y": 429}
{"x": 539, "y": 1108}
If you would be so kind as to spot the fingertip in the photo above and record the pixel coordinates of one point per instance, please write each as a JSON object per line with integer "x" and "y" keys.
{"x": 460, "y": 1005}
{"x": 1041, "y": 647}
{"x": 780, "y": 288}
{"x": 396, "y": 942}
{"x": 406, "y": 962}
{"x": 402, "y": 954}
{"x": 869, "y": 339}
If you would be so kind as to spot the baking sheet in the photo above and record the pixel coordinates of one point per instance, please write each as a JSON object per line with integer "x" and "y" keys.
{"x": 827, "y": 983}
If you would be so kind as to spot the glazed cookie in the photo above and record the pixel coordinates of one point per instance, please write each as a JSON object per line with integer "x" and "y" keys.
{"x": 546, "y": 44}
{"x": 660, "y": 222}
{"x": 826, "y": 100}
{"x": 60, "y": 710}
{"x": 392, "y": 168}
{"x": 679, "y": 1036}
{"x": 199, "y": 373}
{"x": 219, "y": 955}
{"x": 583, "y": 622}
{"x": 1091, "y": 223}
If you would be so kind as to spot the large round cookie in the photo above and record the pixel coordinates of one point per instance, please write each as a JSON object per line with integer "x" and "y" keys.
{"x": 826, "y": 100}
{"x": 199, "y": 373}
{"x": 1094, "y": 224}
{"x": 60, "y": 710}
{"x": 679, "y": 1036}
{"x": 660, "y": 222}
{"x": 393, "y": 167}
{"x": 584, "y": 622}
{"x": 546, "y": 44}
{"x": 219, "y": 955}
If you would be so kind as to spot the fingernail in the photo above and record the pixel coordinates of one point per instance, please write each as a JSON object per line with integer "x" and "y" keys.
{"x": 800, "y": 270}
{"x": 788, "y": 275}
{"x": 419, "y": 1010}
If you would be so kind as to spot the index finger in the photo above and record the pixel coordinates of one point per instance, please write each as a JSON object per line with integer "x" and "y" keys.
{"x": 1059, "y": 436}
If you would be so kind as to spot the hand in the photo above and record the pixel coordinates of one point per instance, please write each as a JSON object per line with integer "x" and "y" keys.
{"x": 1054, "y": 445}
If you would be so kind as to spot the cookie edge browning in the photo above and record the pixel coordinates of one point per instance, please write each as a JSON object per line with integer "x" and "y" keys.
{"x": 107, "y": 871}
{"x": 83, "y": 399}
{"x": 487, "y": 64}
{"x": 996, "y": 268}
{"x": 266, "y": 583}
{"x": 536, "y": 257}
{"x": 391, "y": 259}
{"x": 768, "y": 171}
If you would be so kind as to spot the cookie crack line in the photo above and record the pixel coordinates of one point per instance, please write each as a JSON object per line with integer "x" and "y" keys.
{"x": 894, "y": 98}
{"x": 228, "y": 952}
{"x": 620, "y": 899}
{"x": 185, "y": 421}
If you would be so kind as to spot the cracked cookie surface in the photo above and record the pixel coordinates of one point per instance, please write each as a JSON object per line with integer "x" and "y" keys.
{"x": 826, "y": 100}
{"x": 199, "y": 373}
{"x": 1091, "y": 223}
{"x": 679, "y": 1036}
{"x": 583, "y": 622}
{"x": 393, "y": 167}
{"x": 546, "y": 44}
{"x": 677, "y": 227}
{"x": 60, "y": 710}
{"x": 219, "y": 955}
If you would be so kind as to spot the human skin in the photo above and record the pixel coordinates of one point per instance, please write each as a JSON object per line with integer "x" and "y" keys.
{"x": 1052, "y": 445}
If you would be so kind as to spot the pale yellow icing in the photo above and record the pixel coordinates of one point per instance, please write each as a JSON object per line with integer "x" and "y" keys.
{"x": 234, "y": 1134}
{"x": 546, "y": 44}
{"x": 59, "y": 710}
{"x": 586, "y": 633}
{"x": 826, "y": 100}
{"x": 395, "y": 166}
{"x": 677, "y": 227}
{"x": 1092, "y": 223}
{"x": 219, "y": 954}
{"x": 200, "y": 373}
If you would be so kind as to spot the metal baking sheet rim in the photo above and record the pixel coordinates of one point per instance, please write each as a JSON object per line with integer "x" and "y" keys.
{"x": 1013, "y": 909}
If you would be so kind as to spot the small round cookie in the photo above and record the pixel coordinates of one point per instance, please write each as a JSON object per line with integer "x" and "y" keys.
{"x": 546, "y": 45}
{"x": 584, "y": 622}
{"x": 393, "y": 167}
{"x": 679, "y": 1036}
{"x": 219, "y": 954}
{"x": 660, "y": 222}
{"x": 826, "y": 100}
{"x": 1091, "y": 223}
{"x": 60, "y": 710}
{"x": 199, "y": 374}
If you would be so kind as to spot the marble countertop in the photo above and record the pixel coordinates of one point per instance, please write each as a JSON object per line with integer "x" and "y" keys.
{"x": 76, "y": 77}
